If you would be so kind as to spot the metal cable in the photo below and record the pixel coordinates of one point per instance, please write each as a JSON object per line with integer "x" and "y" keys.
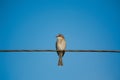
{"x": 24, "y": 50}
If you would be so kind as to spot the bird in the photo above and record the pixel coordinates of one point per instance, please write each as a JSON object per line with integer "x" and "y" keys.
{"x": 60, "y": 45}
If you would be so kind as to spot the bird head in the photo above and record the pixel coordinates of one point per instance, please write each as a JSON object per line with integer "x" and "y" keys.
{"x": 60, "y": 36}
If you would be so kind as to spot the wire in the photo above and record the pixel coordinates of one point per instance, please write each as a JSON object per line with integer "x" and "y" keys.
{"x": 59, "y": 50}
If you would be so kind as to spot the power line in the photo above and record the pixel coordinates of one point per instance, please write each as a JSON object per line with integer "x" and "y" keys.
{"x": 24, "y": 50}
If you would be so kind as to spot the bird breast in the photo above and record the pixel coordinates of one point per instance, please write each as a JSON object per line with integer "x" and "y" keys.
{"x": 61, "y": 44}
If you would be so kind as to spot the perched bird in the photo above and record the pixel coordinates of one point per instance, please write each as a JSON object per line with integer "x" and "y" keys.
{"x": 60, "y": 45}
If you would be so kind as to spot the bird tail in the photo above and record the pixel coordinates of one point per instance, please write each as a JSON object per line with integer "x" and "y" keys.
{"x": 60, "y": 63}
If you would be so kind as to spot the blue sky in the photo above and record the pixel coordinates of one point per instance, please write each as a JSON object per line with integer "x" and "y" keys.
{"x": 32, "y": 24}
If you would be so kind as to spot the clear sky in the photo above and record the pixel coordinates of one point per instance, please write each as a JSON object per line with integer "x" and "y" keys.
{"x": 33, "y": 24}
